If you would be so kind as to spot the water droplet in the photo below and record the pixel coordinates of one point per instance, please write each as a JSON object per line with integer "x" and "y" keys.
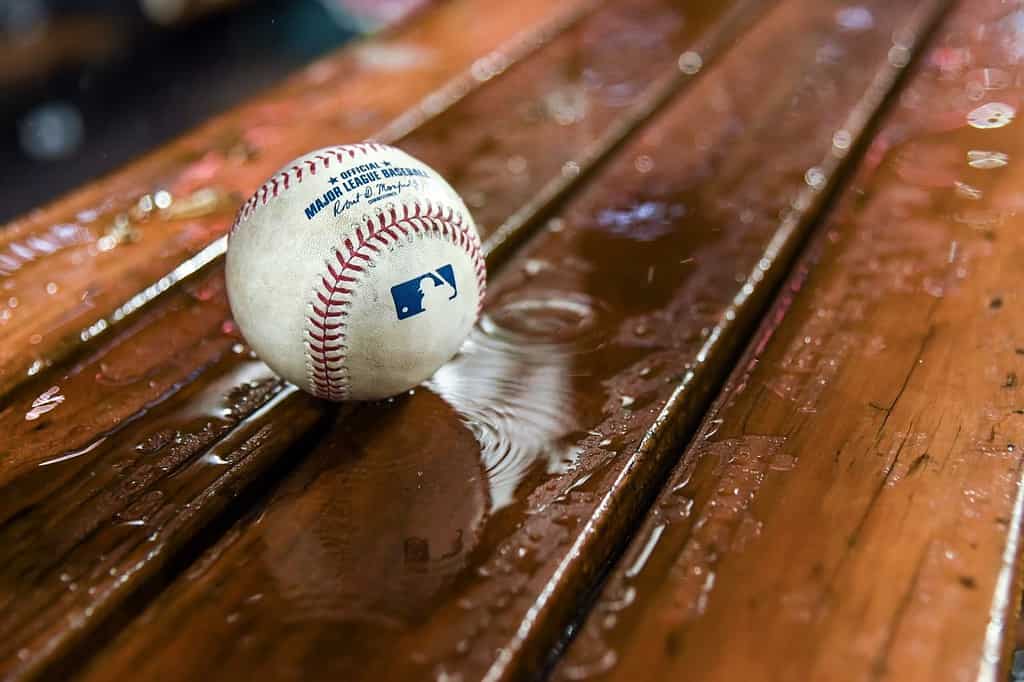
{"x": 46, "y": 401}
{"x": 899, "y": 56}
{"x": 855, "y": 18}
{"x": 815, "y": 178}
{"x": 567, "y": 105}
{"x": 690, "y": 62}
{"x": 585, "y": 670}
{"x": 986, "y": 160}
{"x": 162, "y": 199}
{"x": 713, "y": 427}
{"x": 533, "y": 266}
{"x": 991, "y": 115}
{"x": 516, "y": 165}
{"x": 643, "y": 164}
{"x": 967, "y": 191}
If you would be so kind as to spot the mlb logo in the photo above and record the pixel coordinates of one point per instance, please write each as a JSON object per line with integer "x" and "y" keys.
{"x": 422, "y": 293}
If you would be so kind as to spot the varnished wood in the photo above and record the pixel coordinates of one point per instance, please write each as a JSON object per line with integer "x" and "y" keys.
{"x": 110, "y": 471}
{"x": 65, "y": 268}
{"x": 549, "y": 98}
{"x": 122, "y": 440}
{"x": 161, "y": 384}
{"x": 600, "y": 342}
{"x": 851, "y": 508}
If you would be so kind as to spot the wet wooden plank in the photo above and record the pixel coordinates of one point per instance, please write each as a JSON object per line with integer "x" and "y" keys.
{"x": 116, "y": 460}
{"x": 562, "y": 102}
{"x": 851, "y": 508}
{"x": 68, "y": 270}
{"x": 150, "y": 404}
{"x": 513, "y": 152}
{"x": 450, "y": 533}
{"x": 112, "y": 469}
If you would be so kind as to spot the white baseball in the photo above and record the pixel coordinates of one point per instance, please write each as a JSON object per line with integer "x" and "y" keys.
{"x": 355, "y": 272}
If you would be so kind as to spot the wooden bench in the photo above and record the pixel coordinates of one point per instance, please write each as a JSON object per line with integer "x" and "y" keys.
{"x": 743, "y": 400}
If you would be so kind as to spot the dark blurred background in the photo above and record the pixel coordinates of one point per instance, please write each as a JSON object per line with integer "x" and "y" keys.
{"x": 86, "y": 85}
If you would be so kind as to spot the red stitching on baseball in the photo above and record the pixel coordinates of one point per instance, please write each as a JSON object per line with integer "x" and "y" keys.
{"x": 325, "y": 331}
{"x": 272, "y": 187}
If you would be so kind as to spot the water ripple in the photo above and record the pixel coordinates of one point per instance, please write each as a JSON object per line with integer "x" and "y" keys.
{"x": 512, "y": 383}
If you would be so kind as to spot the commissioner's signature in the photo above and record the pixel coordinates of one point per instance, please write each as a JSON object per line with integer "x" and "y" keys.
{"x": 371, "y": 194}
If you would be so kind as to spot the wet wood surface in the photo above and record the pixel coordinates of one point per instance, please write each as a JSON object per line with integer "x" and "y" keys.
{"x": 107, "y": 265}
{"x": 452, "y": 532}
{"x": 851, "y": 507}
{"x": 71, "y": 270}
{"x": 146, "y": 437}
{"x": 170, "y": 383}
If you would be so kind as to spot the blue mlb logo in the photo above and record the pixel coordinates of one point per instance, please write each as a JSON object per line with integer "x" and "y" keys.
{"x": 424, "y": 292}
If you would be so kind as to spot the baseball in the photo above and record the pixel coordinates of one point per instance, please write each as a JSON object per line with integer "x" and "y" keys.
{"x": 355, "y": 272}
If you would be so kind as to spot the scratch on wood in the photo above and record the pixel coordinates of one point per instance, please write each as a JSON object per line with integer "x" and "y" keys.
{"x": 854, "y": 536}
{"x": 906, "y": 380}
{"x": 918, "y": 463}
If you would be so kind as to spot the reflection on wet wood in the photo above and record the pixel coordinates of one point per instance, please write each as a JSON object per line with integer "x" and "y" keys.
{"x": 66, "y": 268}
{"x": 598, "y": 347}
{"x": 123, "y": 439}
{"x": 570, "y": 103}
{"x": 513, "y": 151}
{"x": 142, "y": 441}
{"x": 851, "y": 509}
{"x": 111, "y": 470}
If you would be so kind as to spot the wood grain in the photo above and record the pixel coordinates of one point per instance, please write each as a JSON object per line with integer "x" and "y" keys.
{"x": 576, "y": 99}
{"x": 601, "y": 341}
{"x": 109, "y": 472}
{"x": 66, "y": 269}
{"x": 122, "y": 440}
{"x": 118, "y": 458}
{"x": 851, "y": 508}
